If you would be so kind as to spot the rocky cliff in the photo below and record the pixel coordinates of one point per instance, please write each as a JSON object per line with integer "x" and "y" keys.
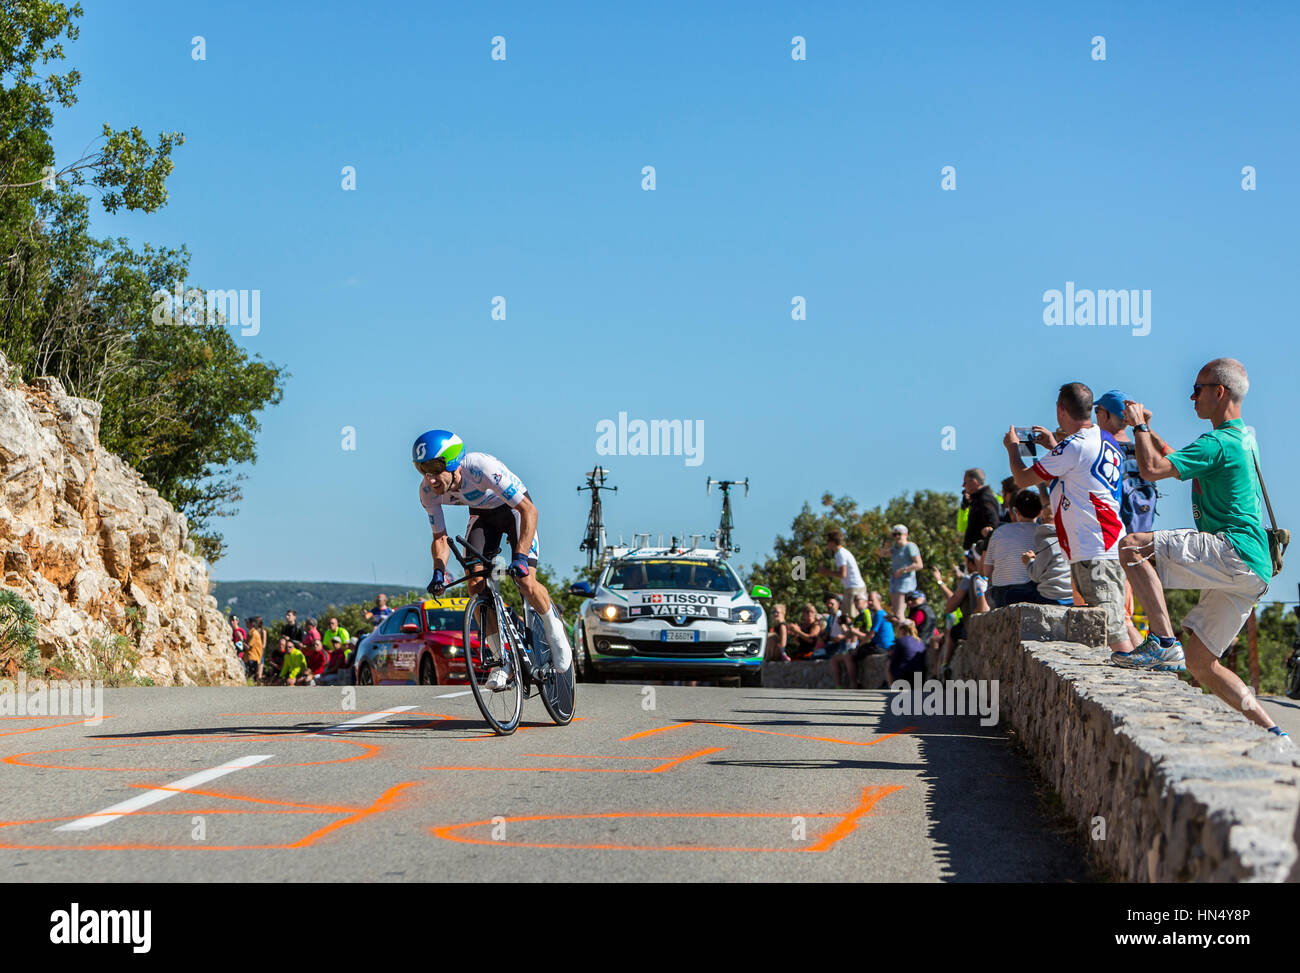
{"x": 95, "y": 550}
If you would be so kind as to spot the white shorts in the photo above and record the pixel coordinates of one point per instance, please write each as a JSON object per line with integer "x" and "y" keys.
{"x": 846, "y": 600}
{"x": 1194, "y": 559}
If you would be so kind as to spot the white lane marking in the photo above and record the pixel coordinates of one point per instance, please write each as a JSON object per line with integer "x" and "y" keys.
{"x": 363, "y": 720}
{"x": 159, "y": 794}
{"x": 463, "y": 692}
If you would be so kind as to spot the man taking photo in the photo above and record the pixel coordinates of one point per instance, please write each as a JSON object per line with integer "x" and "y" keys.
{"x": 1226, "y": 556}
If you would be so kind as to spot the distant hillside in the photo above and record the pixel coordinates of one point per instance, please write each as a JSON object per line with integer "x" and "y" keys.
{"x": 271, "y": 599}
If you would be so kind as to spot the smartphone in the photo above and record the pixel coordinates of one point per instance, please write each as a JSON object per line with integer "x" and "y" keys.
{"x": 1025, "y": 436}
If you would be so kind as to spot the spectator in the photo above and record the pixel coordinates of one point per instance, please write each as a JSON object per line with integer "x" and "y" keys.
{"x": 921, "y": 615}
{"x": 834, "y": 634}
{"x": 293, "y": 670}
{"x": 908, "y": 654}
{"x": 1084, "y": 476}
{"x": 777, "y": 636}
{"x": 970, "y": 597}
{"x": 1137, "y": 499}
{"x": 337, "y": 657}
{"x": 238, "y": 635}
{"x": 256, "y": 647}
{"x": 275, "y": 655}
{"x": 1226, "y": 556}
{"x": 805, "y": 633}
{"x": 875, "y": 634}
{"x": 379, "y": 614}
{"x": 904, "y": 562}
{"x": 312, "y": 634}
{"x": 980, "y": 504}
{"x": 846, "y": 569}
{"x": 335, "y": 631}
{"x": 839, "y": 641}
{"x": 1048, "y": 568}
{"x": 1009, "y": 581}
{"x": 291, "y": 628}
{"x": 859, "y": 627}
{"x": 1008, "y": 494}
{"x": 316, "y": 657}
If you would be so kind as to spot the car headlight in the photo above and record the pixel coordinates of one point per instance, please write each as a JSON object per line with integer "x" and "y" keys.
{"x": 746, "y": 614}
{"x": 612, "y": 613}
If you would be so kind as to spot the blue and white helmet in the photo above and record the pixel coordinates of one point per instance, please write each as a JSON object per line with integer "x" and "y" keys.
{"x": 437, "y": 450}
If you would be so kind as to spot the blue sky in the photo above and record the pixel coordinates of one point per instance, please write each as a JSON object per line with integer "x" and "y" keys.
{"x": 774, "y": 178}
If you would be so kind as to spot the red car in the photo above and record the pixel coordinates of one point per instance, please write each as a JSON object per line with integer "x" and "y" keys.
{"x": 420, "y": 644}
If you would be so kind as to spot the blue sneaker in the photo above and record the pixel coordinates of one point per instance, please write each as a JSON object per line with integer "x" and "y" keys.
{"x": 1151, "y": 655}
{"x": 1173, "y": 659}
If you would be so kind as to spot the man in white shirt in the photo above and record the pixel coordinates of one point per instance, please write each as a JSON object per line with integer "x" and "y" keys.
{"x": 1083, "y": 472}
{"x": 846, "y": 568}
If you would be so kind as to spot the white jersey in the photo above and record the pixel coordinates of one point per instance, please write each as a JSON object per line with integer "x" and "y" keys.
{"x": 1085, "y": 471}
{"x": 853, "y": 578}
{"x": 485, "y": 483}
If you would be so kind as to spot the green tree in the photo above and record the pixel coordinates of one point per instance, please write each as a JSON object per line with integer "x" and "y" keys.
{"x": 180, "y": 403}
{"x": 791, "y": 570}
{"x": 17, "y": 634}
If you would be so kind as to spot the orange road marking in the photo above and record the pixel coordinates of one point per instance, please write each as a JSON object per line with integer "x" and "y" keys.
{"x": 368, "y": 751}
{"x": 658, "y": 729}
{"x": 52, "y": 726}
{"x": 307, "y": 808}
{"x": 386, "y": 800}
{"x": 690, "y": 756}
{"x": 846, "y": 826}
{"x": 800, "y": 736}
{"x": 588, "y": 756}
{"x": 489, "y": 735}
{"x": 870, "y": 797}
{"x": 349, "y": 713}
{"x": 672, "y": 762}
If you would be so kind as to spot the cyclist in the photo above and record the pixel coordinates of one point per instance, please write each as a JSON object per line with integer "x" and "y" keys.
{"x": 499, "y": 505}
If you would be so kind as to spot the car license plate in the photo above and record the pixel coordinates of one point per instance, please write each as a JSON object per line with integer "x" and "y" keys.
{"x": 668, "y": 635}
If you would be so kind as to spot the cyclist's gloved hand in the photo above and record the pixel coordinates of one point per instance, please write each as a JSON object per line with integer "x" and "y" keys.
{"x": 519, "y": 566}
{"x": 439, "y": 582}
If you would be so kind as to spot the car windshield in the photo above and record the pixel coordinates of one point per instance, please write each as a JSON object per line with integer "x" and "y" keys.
{"x": 688, "y": 575}
{"x": 443, "y": 619}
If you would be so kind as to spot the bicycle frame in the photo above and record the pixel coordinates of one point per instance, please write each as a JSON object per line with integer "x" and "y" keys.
{"x": 518, "y": 640}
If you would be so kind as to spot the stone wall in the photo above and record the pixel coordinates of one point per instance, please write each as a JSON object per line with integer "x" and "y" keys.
{"x": 816, "y": 673}
{"x": 1186, "y": 788}
{"x": 95, "y": 550}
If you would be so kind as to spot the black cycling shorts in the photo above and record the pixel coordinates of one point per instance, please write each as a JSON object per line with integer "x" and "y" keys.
{"x": 488, "y": 525}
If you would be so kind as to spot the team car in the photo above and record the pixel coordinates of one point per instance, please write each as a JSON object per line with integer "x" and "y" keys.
{"x": 420, "y": 643}
{"x": 665, "y": 613}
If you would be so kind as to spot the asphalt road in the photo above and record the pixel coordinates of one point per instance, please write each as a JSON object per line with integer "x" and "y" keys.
{"x": 677, "y": 784}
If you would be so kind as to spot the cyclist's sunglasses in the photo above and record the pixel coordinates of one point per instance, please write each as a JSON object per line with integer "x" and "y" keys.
{"x": 1196, "y": 389}
{"x": 431, "y": 467}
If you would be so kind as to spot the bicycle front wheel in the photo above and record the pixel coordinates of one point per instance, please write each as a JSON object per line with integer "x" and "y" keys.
{"x": 501, "y": 708}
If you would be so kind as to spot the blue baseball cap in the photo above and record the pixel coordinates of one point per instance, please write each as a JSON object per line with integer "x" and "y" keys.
{"x": 1112, "y": 402}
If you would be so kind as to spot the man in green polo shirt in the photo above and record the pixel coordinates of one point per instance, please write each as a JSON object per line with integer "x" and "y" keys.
{"x": 335, "y": 631}
{"x": 1225, "y": 557}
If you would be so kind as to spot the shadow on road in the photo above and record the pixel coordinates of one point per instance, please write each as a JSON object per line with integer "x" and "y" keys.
{"x": 984, "y": 814}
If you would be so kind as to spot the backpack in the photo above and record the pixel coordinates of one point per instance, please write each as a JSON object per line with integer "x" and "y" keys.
{"x": 1137, "y": 500}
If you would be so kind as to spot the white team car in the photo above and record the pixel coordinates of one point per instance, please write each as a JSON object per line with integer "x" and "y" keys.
{"x": 663, "y": 613}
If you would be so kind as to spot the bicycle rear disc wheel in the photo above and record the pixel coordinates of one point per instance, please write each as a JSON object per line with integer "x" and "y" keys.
{"x": 557, "y": 689}
{"x": 501, "y": 709}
